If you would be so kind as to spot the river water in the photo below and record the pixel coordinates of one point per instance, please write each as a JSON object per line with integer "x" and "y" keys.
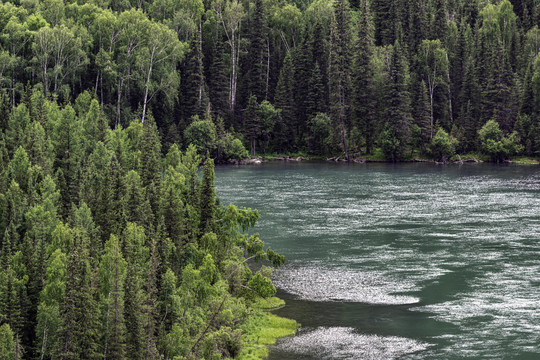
{"x": 412, "y": 261}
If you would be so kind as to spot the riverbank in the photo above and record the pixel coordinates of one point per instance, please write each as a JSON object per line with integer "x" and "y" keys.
{"x": 378, "y": 157}
{"x": 263, "y": 328}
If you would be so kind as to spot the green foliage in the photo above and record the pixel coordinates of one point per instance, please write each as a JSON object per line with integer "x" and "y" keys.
{"x": 7, "y": 343}
{"x": 110, "y": 250}
{"x": 496, "y": 144}
{"x": 201, "y": 134}
{"x": 443, "y": 146}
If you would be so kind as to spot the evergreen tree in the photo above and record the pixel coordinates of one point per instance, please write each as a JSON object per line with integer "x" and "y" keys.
{"x": 78, "y": 332}
{"x": 316, "y": 96}
{"x": 256, "y": 74}
{"x": 136, "y": 255}
{"x": 217, "y": 80}
{"x": 363, "y": 100}
{"x": 284, "y": 100}
{"x": 339, "y": 73}
{"x": 423, "y": 115}
{"x": 208, "y": 201}
{"x": 112, "y": 275}
{"x": 133, "y": 199}
{"x": 395, "y": 136}
{"x": 252, "y": 122}
{"x": 384, "y": 21}
{"x": 194, "y": 98}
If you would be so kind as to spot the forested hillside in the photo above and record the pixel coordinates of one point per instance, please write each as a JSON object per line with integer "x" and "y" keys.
{"x": 284, "y": 76}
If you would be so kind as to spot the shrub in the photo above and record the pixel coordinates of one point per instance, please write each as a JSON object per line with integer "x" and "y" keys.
{"x": 443, "y": 146}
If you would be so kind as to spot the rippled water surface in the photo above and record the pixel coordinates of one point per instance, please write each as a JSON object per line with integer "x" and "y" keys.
{"x": 400, "y": 261}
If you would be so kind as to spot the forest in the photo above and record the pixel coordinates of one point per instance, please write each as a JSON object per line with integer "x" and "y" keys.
{"x": 282, "y": 76}
{"x": 113, "y": 113}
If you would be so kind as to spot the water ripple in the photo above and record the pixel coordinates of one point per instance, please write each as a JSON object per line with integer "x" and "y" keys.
{"x": 344, "y": 343}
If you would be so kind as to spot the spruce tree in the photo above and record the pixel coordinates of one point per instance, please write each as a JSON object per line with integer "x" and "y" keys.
{"x": 208, "y": 201}
{"x": 252, "y": 122}
{"x": 78, "y": 333}
{"x": 112, "y": 275}
{"x": 256, "y": 74}
{"x": 339, "y": 73}
{"x": 363, "y": 96}
{"x": 194, "y": 97}
{"x": 398, "y": 107}
{"x": 218, "y": 82}
{"x": 284, "y": 100}
{"x": 316, "y": 96}
{"x": 133, "y": 199}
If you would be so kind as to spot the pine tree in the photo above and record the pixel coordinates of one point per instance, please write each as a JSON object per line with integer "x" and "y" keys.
{"x": 439, "y": 26}
{"x": 112, "y": 275}
{"x": 67, "y": 148}
{"x": 423, "y": 115}
{"x": 111, "y": 202}
{"x": 78, "y": 332}
{"x": 136, "y": 256}
{"x": 218, "y": 82}
{"x": 284, "y": 100}
{"x": 252, "y": 122}
{"x": 398, "y": 107}
{"x": 302, "y": 72}
{"x": 256, "y": 74}
{"x": 384, "y": 21}
{"x": 316, "y": 96}
{"x": 194, "y": 99}
{"x": 133, "y": 199}
{"x": 339, "y": 73}
{"x": 17, "y": 123}
{"x": 208, "y": 201}
{"x": 51, "y": 298}
{"x": 363, "y": 101}
{"x": 417, "y": 24}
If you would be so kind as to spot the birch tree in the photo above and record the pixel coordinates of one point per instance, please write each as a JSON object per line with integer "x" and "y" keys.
{"x": 230, "y": 14}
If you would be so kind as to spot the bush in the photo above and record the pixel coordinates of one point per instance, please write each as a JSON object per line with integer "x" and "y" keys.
{"x": 495, "y": 144}
{"x": 202, "y": 134}
{"x": 233, "y": 149}
{"x": 443, "y": 146}
{"x": 319, "y": 127}
{"x": 390, "y": 144}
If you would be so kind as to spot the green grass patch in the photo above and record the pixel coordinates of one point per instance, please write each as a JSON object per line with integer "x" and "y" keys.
{"x": 525, "y": 160}
{"x": 263, "y": 328}
{"x": 376, "y": 155}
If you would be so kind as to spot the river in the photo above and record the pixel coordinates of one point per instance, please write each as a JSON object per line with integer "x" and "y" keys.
{"x": 413, "y": 261}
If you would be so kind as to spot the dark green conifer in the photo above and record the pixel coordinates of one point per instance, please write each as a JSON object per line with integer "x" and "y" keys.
{"x": 256, "y": 74}
{"x": 339, "y": 72}
{"x": 284, "y": 100}
{"x": 362, "y": 76}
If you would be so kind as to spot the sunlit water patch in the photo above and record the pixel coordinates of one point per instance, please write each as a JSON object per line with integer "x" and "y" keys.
{"x": 345, "y": 343}
{"x": 319, "y": 284}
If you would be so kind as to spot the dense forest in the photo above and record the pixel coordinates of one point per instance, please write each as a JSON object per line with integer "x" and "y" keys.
{"x": 110, "y": 251}
{"x": 112, "y": 114}
{"x": 322, "y": 76}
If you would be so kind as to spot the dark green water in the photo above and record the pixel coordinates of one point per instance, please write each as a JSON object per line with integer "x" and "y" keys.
{"x": 400, "y": 261}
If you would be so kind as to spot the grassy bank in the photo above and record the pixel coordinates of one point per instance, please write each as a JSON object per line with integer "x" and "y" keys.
{"x": 264, "y": 328}
{"x": 378, "y": 156}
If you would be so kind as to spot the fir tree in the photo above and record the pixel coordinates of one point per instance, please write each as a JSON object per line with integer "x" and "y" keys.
{"x": 339, "y": 73}
{"x": 256, "y": 74}
{"x": 363, "y": 100}
{"x": 398, "y": 107}
{"x": 207, "y": 196}
{"x": 284, "y": 100}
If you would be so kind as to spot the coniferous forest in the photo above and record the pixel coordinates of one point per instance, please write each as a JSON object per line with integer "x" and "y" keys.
{"x": 112, "y": 114}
